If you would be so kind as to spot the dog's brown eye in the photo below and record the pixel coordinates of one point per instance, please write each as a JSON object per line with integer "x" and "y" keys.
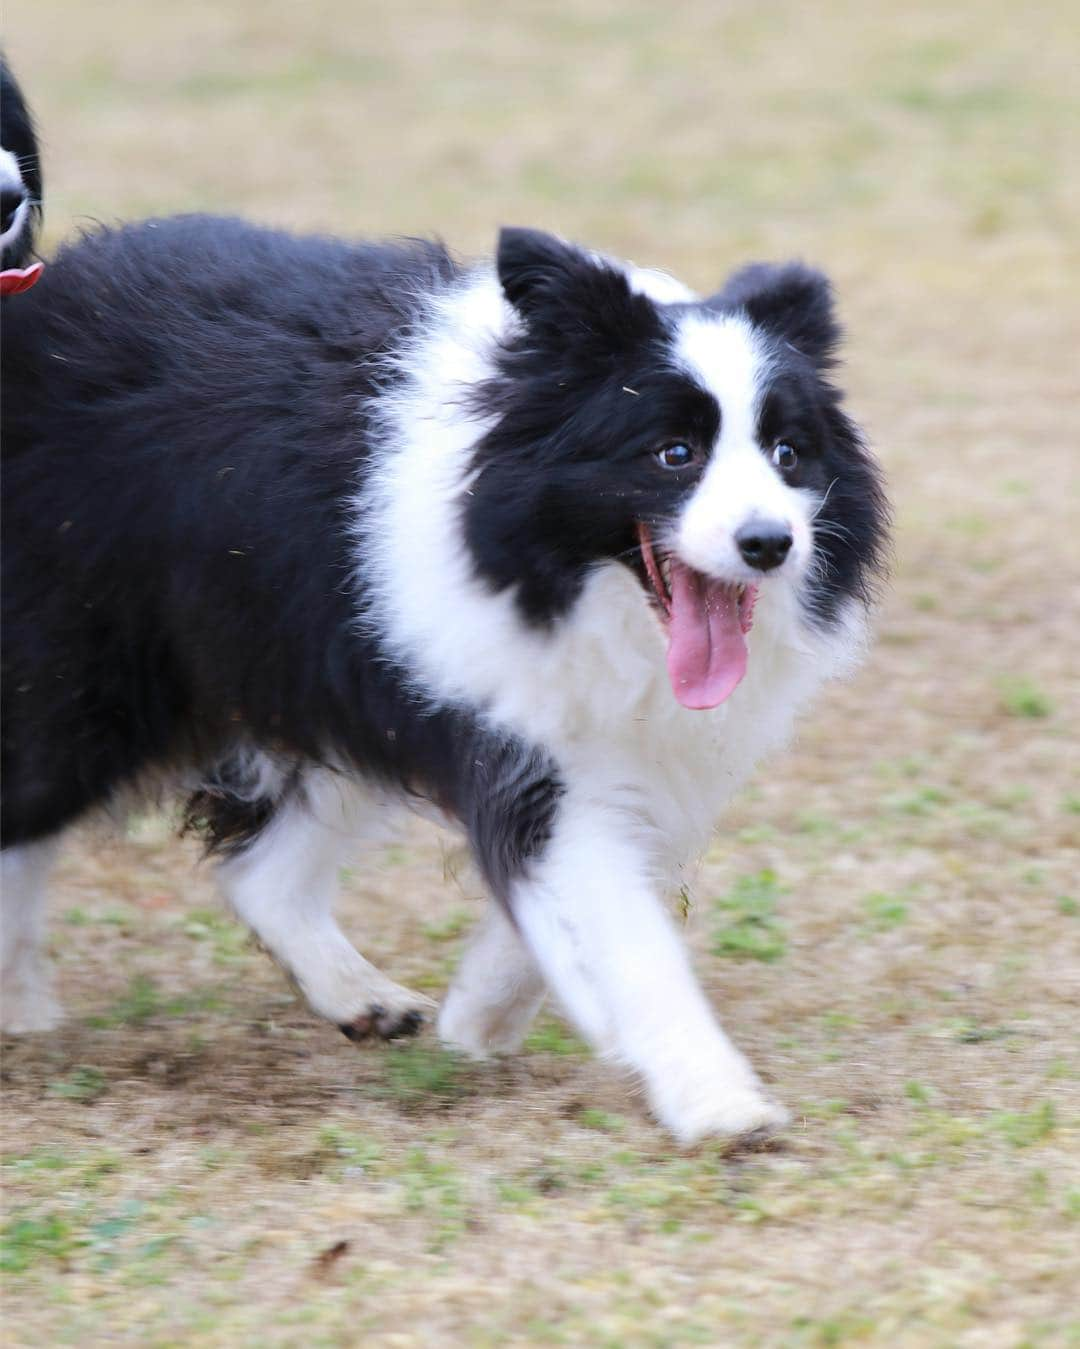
{"x": 785, "y": 456}
{"x": 675, "y": 456}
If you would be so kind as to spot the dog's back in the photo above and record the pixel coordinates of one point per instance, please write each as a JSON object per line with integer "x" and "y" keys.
{"x": 160, "y": 474}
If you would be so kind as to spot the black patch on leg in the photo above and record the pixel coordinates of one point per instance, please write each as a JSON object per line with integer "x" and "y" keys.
{"x": 509, "y": 808}
{"x": 228, "y": 812}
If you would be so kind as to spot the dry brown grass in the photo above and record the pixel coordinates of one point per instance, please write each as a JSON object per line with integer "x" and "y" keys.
{"x": 183, "y": 1159}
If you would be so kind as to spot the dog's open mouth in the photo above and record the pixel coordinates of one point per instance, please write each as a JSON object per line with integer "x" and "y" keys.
{"x": 706, "y": 623}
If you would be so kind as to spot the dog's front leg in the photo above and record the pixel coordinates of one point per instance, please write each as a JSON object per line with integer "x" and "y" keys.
{"x": 588, "y": 909}
{"x": 496, "y": 992}
{"x": 26, "y": 999}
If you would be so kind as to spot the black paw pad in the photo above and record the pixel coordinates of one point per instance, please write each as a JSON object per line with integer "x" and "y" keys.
{"x": 365, "y": 1025}
{"x": 377, "y": 1021}
{"x": 409, "y": 1023}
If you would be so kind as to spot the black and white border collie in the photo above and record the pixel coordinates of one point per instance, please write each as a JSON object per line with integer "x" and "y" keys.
{"x": 20, "y": 188}
{"x": 553, "y": 547}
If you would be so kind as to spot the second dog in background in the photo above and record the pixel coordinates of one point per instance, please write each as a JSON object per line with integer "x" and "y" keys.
{"x": 20, "y": 188}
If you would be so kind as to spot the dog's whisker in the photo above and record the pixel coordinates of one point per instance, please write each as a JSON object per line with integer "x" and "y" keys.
{"x": 830, "y": 529}
{"x": 821, "y": 504}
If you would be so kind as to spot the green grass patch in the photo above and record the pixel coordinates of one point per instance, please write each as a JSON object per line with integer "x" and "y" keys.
{"x": 452, "y": 927}
{"x": 118, "y": 918}
{"x": 941, "y": 1131}
{"x": 33, "y": 1162}
{"x": 1022, "y": 697}
{"x": 1022, "y": 1128}
{"x": 84, "y": 1083}
{"x": 756, "y": 833}
{"x": 922, "y": 801}
{"x": 418, "y": 1073}
{"x": 434, "y": 1188}
{"x": 554, "y": 1037}
{"x": 884, "y": 911}
{"x": 347, "y": 1153}
{"x": 228, "y": 941}
{"x": 601, "y": 1121}
{"x": 845, "y": 1328}
{"x": 835, "y": 1021}
{"x": 809, "y": 822}
{"x": 104, "y": 1235}
{"x": 748, "y": 927}
{"x": 969, "y": 1032}
{"x": 28, "y": 1241}
{"x": 143, "y": 1000}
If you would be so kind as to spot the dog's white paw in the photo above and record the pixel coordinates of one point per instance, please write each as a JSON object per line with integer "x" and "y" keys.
{"x": 489, "y": 1009}
{"x": 388, "y": 1013}
{"x": 372, "y": 1006}
{"x": 359, "y": 999}
{"x": 390, "y": 1019}
{"x": 717, "y": 1110}
{"x": 481, "y": 1031}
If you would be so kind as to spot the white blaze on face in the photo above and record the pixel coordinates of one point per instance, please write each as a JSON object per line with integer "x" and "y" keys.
{"x": 9, "y": 171}
{"x": 11, "y": 181}
{"x": 729, "y": 358}
{"x": 713, "y": 587}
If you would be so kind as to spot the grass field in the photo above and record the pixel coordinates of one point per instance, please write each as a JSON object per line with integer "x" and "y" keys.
{"x": 889, "y": 920}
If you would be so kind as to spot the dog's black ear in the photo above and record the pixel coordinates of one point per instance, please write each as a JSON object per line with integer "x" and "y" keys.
{"x": 791, "y": 300}
{"x": 570, "y": 296}
{"x": 536, "y": 268}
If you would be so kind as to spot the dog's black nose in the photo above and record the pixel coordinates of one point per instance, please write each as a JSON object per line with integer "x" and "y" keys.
{"x": 764, "y": 543}
{"x": 11, "y": 198}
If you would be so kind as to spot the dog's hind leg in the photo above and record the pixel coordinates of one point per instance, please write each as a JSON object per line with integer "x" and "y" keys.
{"x": 496, "y": 992}
{"x": 26, "y": 999}
{"x": 284, "y": 883}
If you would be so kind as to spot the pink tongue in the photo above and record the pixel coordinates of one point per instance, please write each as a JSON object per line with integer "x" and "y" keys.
{"x": 16, "y": 279}
{"x": 706, "y": 645}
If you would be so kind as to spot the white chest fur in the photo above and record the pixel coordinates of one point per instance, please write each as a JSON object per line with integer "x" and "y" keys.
{"x": 593, "y": 691}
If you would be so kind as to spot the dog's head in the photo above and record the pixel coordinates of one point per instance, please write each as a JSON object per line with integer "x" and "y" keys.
{"x": 698, "y": 442}
{"x": 20, "y": 186}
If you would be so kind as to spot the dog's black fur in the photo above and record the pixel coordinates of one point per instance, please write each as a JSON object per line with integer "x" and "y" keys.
{"x": 185, "y": 424}
{"x": 188, "y": 410}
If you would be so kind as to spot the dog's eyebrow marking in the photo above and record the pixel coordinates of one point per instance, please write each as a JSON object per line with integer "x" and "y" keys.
{"x": 626, "y": 389}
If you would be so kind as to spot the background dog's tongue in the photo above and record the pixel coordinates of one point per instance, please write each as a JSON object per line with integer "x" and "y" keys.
{"x": 15, "y": 279}
{"x": 706, "y": 644}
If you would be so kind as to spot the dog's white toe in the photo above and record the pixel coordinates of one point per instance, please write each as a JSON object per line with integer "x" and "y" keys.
{"x": 480, "y": 1036}
{"x": 387, "y": 1012}
{"x": 713, "y": 1110}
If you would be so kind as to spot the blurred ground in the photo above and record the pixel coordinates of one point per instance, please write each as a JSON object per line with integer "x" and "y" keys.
{"x": 890, "y": 919}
